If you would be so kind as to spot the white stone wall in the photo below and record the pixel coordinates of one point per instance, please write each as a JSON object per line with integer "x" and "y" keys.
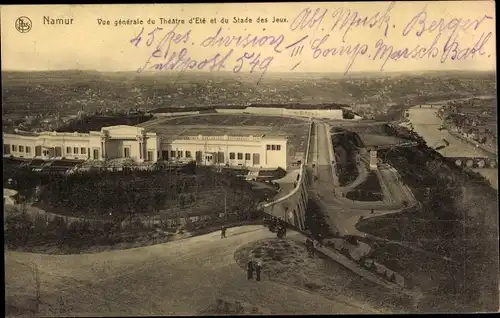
{"x": 111, "y": 141}
{"x": 65, "y": 144}
{"x": 152, "y": 146}
{"x": 237, "y": 151}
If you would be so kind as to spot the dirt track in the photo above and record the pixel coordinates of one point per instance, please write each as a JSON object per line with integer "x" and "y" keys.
{"x": 180, "y": 277}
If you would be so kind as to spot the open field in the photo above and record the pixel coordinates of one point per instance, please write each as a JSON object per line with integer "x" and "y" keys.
{"x": 237, "y": 120}
{"x": 373, "y": 140}
{"x": 369, "y": 190}
{"x": 237, "y": 125}
{"x": 375, "y": 135}
{"x": 286, "y": 261}
{"x": 181, "y": 277}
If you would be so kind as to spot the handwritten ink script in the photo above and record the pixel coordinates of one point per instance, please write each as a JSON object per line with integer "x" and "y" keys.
{"x": 314, "y": 33}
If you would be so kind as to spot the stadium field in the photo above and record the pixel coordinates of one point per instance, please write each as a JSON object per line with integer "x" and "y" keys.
{"x": 237, "y": 125}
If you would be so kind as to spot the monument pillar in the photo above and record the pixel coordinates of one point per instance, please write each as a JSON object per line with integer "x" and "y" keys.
{"x": 142, "y": 153}
{"x": 104, "y": 140}
{"x": 373, "y": 160}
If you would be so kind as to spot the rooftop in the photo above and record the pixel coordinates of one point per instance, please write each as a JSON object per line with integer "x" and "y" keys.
{"x": 227, "y": 137}
{"x": 175, "y": 132}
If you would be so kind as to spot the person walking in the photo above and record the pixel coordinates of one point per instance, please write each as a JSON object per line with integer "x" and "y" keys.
{"x": 258, "y": 268}
{"x": 308, "y": 246}
{"x": 312, "y": 248}
{"x": 223, "y": 232}
{"x": 250, "y": 269}
{"x": 320, "y": 240}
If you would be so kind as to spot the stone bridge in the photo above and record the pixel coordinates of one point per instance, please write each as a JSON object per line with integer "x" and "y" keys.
{"x": 429, "y": 106}
{"x": 389, "y": 146}
{"x": 475, "y": 162}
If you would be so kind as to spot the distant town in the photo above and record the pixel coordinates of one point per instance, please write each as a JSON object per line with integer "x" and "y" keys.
{"x": 369, "y": 194}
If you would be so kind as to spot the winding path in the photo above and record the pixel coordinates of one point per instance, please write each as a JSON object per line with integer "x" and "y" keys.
{"x": 175, "y": 278}
{"x": 343, "y": 214}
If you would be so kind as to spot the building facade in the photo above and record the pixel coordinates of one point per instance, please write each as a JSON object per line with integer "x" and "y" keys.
{"x": 241, "y": 151}
{"x": 110, "y": 143}
{"x": 118, "y": 142}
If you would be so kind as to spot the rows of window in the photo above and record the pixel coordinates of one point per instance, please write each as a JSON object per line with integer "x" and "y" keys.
{"x": 273, "y": 147}
{"x": 239, "y": 156}
{"x": 180, "y": 154}
{"x": 8, "y": 149}
{"x": 216, "y": 157}
{"x": 76, "y": 150}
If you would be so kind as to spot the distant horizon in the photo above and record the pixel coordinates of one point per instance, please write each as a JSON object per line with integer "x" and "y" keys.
{"x": 268, "y": 72}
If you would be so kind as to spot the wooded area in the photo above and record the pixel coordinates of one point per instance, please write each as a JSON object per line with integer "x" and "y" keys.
{"x": 118, "y": 206}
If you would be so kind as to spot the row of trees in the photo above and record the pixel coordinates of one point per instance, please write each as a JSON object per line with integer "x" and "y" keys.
{"x": 127, "y": 201}
{"x": 40, "y": 232}
{"x": 144, "y": 192}
{"x": 346, "y": 147}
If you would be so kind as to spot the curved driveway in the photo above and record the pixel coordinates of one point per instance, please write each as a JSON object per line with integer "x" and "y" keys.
{"x": 180, "y": 277}
{"x": 344, "y": 213}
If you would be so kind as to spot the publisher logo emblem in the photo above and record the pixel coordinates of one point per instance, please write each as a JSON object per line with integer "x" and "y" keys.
{"x": 23, "y": 24}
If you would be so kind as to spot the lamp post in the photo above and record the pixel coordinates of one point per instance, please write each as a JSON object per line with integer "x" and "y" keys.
{"x": 225, "y": 204}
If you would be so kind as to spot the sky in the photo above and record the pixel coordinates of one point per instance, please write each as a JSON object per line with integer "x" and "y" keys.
{"x": 326, "y": 47}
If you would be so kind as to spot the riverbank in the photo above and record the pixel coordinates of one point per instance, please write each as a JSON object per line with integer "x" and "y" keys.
{"x": 426, "y": 122}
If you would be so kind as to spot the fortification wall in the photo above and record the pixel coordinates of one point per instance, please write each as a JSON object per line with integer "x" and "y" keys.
{"x": 293, "y": 206}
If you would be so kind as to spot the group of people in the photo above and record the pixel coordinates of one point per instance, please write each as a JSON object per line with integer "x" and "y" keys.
{"x": 251, "y": 267}
{"x": 277, "y": 225}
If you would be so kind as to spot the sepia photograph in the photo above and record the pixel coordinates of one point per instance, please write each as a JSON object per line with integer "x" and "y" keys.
{"x": 250, "y": 159}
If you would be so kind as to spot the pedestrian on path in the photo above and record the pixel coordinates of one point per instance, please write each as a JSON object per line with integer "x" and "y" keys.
{"x": 250, "y": 269}
{"x": 223, "y": 232}
{"x": 258, "y": 268}
{"x": 320, "y": 240}
{"x": 309, "y": 246}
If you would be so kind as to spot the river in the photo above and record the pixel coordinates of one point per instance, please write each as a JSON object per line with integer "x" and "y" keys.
{"x": 426, "y": 123}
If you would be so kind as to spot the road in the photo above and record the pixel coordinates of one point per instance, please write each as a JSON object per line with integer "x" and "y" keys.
{"x": 343, "y": 214}
{"x": 175, "y": 278}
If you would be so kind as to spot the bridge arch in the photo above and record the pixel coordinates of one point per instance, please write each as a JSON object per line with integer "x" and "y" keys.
{"x": 476, "y": 162}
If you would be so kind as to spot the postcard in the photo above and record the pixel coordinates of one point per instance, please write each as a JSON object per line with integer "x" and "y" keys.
{"x": 250, "y": 158}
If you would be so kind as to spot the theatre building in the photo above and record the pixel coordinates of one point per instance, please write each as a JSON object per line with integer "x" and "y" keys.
{"x": 110, "y": 143}
{"x": 118, "y": 142}
{"x": 241, "y": 151}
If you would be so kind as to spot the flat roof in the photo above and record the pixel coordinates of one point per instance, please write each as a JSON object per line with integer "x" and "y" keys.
{"x": 22, "y": 133}
{"x": 228, "y": 137}
{"x": 173, "y": 132}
